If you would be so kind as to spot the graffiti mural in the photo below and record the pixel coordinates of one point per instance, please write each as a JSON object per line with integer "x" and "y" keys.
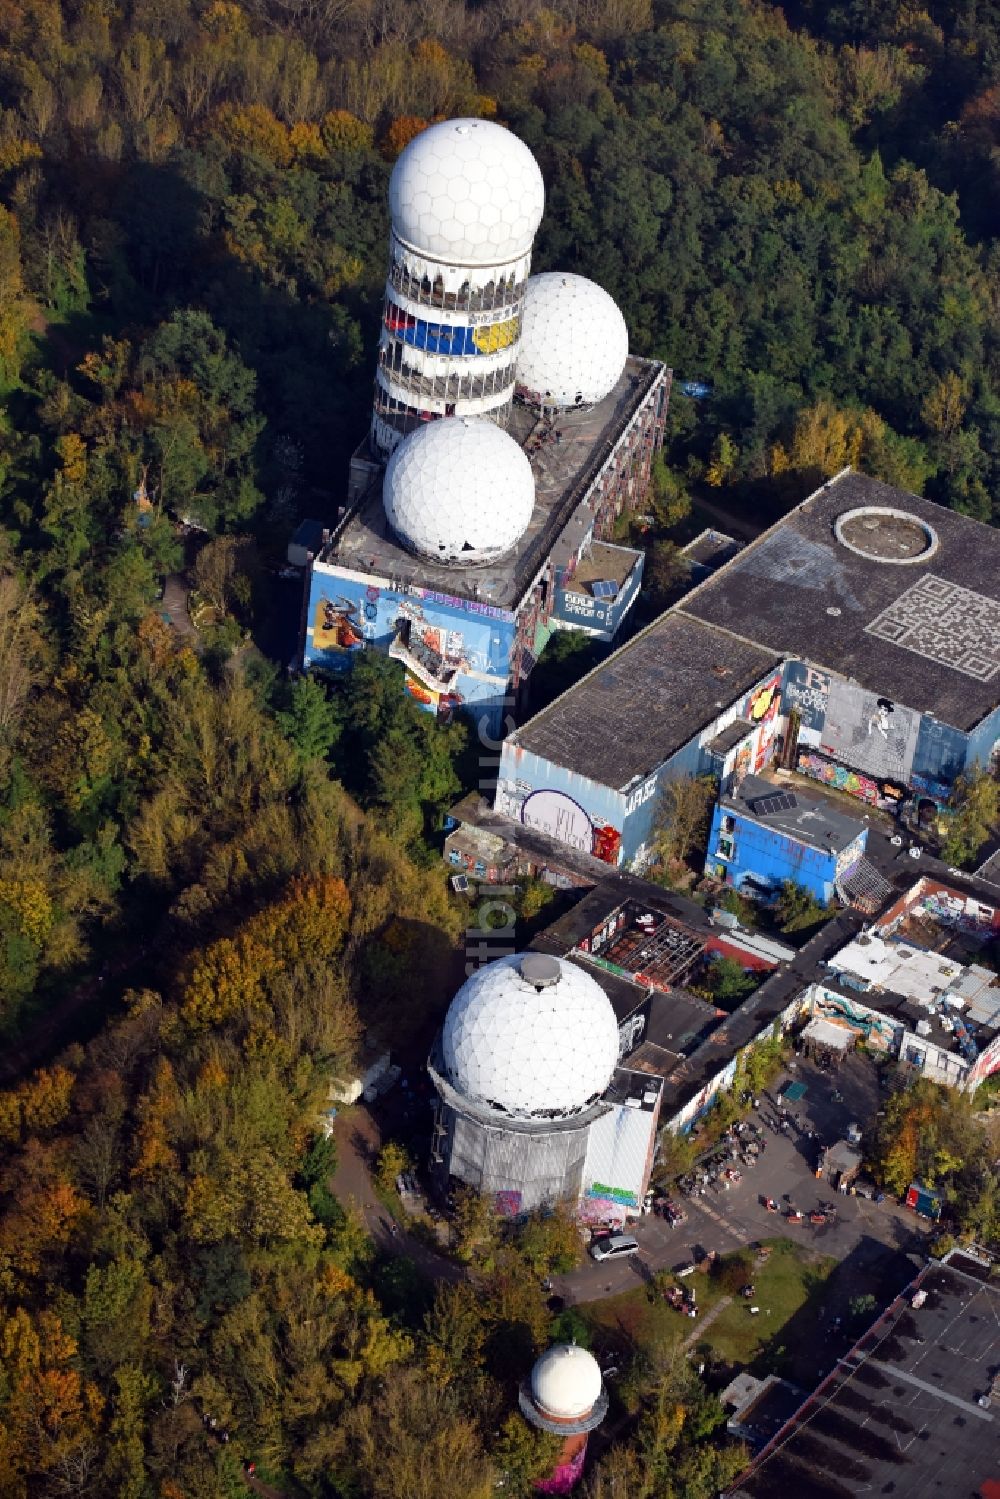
{"x": 508, "y": 1203}
{"x": 450, "y": 338}
{"x": 454, "y": 652}
{"x": 559, "y": 816}
{"x": 807, "y": 691}
{"x": 871, "y": 733}
{"x": 840, "y": 776}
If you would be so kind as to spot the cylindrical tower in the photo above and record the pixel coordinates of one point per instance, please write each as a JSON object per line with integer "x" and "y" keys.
{"x": 565, "y": 1394}
{"x": 465, "y": 198}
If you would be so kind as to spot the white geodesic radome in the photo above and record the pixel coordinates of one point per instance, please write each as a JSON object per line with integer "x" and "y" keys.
{"x": 566, "y": 1382}
{"x": 574, "y": 342}
{"x": 530, "y": 1044}
{"x": 467, "y": 192}
{"x": 459, "y": 490}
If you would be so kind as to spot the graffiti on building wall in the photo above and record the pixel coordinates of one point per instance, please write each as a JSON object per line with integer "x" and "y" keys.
{"x": 870, "y": 733}
{"x": 565, "y": 1477}
{"x": 840, "y": 776}
{"x": 630, "y": 1033}
{"x": 807, "y": 691}
{"x": 453, "y": 651}
{"x": 884, "y": 794}
{"x": 762, "y": 704}
{"x": 560, "y": 817}
{"x": 874, "y": 1028}
{"x": 849, "y": 858}
{"x": 508, "y": 1203}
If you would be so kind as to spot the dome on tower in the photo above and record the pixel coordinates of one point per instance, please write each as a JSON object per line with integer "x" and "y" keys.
{"x": 532, "y": 1036}
{"x": 459, "y": 490}
{"x": 574, "y": 342}
{"x": 566, "y": 1382}
{"x": 467, "y": 192}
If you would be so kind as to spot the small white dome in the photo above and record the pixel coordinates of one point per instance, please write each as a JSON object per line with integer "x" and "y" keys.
{"x": 574, "y": 342}
{"x": 467, "y": 192}
{"x": 566, "y": 1382}
{"x": 459, "y": 490}
{"x": 531, "y": 1036}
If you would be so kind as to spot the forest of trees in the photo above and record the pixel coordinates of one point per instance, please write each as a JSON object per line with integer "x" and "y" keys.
{"x": 224, "y": 877}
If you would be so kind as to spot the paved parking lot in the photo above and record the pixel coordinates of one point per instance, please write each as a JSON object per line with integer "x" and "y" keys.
{"x": 726, "y": 1220}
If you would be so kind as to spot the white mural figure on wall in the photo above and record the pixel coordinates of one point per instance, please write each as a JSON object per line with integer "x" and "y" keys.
{"x": 879, "y": 721}
{"x": 870, "y": 733}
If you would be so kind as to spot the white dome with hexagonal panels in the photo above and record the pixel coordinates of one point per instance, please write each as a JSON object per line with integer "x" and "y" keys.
{"x": 531, "y": 1036}
{"x": 459, "y": 491}
{"x": 467, "y": 192}
{"x": 574, "y": 342}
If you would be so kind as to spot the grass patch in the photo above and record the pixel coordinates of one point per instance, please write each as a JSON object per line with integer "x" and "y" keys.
{"x": 790, "y": 1285}
{"x": 641, "y": 1316}
{"x": 791, "y": 1279}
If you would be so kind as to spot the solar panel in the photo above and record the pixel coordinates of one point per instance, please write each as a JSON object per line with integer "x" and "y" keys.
{"x": 528, "y": 660}
{"x": 604, "y": 590}
{"x": 460, "y": 883}
{"x": 767, "y": 806}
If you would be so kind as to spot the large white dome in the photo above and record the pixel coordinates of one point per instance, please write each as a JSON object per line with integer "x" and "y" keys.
{"x": 531, "y": 1036}
{"x": 459, "y": 490}
{"x": 467, "y": 192}
{"x": 566, "y": 1382}
{"x": 574, "y": 342}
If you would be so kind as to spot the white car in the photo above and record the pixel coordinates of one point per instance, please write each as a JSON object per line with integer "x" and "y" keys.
{"x": 614, "y": 1246}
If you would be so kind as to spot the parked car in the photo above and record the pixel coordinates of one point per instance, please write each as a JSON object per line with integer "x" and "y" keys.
{"x": 614, "y": 1246}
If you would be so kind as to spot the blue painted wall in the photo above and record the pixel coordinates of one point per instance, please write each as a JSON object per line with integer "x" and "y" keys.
{"x": 598, "y": 617}
{"x": 348, "y": 613}
{"x": 767, "y": 858}
{"x": 980, "y": 743}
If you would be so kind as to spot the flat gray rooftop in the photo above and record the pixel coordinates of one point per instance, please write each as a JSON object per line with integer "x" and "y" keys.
{"x": 563, "y": 472}
{"x": 645, "y": 702}
{"x": 900, "y": 1414}
{"x": 925, "y": 633}
{"x": 812, "y": 820}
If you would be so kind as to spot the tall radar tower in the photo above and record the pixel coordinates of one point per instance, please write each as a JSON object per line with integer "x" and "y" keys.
{"x": 465, "y": 199}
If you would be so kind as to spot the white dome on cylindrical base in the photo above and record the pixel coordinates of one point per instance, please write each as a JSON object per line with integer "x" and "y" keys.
{"x": 467, "y": 192}
{"x": 531, "y": 1036}
{"x": 574, "y": 342}
{"x": 566, "y": 1382}
{"x": 459, "y": 491}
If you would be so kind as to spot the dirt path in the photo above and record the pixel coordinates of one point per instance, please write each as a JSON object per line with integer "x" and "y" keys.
{"x": 174, "y": 605}
{"x": 699, "y": 1332}
{"x": 358, "y": 1143}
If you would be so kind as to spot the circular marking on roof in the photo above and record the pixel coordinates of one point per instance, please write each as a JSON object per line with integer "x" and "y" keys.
{"x": 881, "y": 533}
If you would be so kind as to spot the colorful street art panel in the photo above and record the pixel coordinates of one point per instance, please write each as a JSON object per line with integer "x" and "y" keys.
{"x": 455, "y": 652}
{"x": 508, "y": 1203}
{"x": 870, "y": 733}
{"x": 886, "y": 795}
{"x": 807, "y": 692}
{"x": 450, "y": 338}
